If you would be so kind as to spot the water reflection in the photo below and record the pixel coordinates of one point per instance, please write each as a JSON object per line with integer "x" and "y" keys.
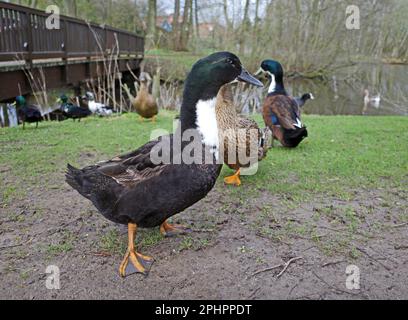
{"x": 344, "y": 93}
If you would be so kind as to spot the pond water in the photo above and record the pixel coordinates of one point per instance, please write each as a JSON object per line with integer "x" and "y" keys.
{"x": 343, "y": 94}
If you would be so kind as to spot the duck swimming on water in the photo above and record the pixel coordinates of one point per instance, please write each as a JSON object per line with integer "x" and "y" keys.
{"x": 133, "y": 189}
{"x": 371, "y": 100}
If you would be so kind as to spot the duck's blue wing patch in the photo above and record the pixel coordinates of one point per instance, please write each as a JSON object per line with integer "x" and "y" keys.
{"x": 275, "y": 120}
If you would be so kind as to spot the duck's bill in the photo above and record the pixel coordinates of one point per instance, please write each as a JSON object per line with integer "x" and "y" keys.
{"x": 248, "y": 78}
{"x": 260, "y": 71}
{"x": 14, "y": 104}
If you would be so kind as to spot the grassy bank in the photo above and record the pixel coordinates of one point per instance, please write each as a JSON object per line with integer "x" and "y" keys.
{"x": 342, "y": 153}
{"x": 342, "y": 188}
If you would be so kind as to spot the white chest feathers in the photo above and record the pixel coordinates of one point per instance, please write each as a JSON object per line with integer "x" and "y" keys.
{"x": 93, "y": 106}
{"x": 272, "y": 86}
{"x": 207, "y": 122}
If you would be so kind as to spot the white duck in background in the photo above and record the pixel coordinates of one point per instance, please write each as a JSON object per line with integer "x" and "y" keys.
{"x": 97, "y": 107}
{"x": 371, "y": 101}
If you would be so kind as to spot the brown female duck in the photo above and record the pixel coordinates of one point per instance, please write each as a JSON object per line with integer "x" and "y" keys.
{"x": 144, "y": 103}
{"x": 238, "y": 135}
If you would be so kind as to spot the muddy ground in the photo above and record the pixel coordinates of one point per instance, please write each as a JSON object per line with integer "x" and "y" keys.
{"x": 236, "y": 236}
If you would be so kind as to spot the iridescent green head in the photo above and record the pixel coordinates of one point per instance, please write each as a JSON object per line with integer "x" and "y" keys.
{"x": 272, "y": 67}
{"x": 64, "y": 98}
{"x": 20, "y": 101}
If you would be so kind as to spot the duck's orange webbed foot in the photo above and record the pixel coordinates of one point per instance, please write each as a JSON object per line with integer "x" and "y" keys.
{"x": 171, "y": 230}
{"x": 235, "y": 179}
{"x": 134, "y": 262}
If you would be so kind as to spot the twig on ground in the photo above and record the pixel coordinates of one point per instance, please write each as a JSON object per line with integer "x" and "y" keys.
{"x": 372, "y": 258}
{"x": 284, "y": 265}
{"x": 332, "y": 263}
{"x": 266, "y": 270}
{"x": 16, "y": 245}
{"x": 400, "y": 225}
{"x": 252, "y": 295}
{"x": 291, "y": 290}
{"x": 203, "y": 230}
{"x": 334, "y": 287}
{"x": 101, "y": 254}
{"x": 287, "y": 265}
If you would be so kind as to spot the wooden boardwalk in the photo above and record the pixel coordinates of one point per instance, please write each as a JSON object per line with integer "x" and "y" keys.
{"x": 67, "y": 56}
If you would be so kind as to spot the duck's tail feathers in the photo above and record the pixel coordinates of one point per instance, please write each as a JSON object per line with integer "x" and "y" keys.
{"x": 292, "y": 138}
{"x": 75, "y": 178}
{"x": 265, "y": 141}
{"x": 94, "y": 186}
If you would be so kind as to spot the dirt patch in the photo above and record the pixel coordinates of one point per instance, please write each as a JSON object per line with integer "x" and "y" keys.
{"x": 236, "y": 236}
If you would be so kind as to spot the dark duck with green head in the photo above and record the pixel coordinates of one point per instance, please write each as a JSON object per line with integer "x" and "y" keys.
{"x": 281, "y": 112}
{"x": 27, "y": 113}
{"x": 137, "y": 190}
{"x": 72, "y": 111}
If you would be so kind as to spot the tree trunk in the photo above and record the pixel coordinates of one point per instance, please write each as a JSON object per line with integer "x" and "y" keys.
{"x": 176, "y": 26}
{"x": 245, "y": 28}
{"x": 71, "y": 6}
{"x": 197, "y": 29}
{"x": 151, "y": 23}
{"x": 185, "y": 26}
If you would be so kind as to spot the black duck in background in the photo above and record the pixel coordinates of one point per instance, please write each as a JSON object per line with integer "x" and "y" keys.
{"x": 27, "y": 113}
{"x": 72, "y": 111}
{"x": 301, "y": 101}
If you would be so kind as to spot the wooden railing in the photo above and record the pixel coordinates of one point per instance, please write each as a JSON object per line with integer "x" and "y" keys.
{"x": 23, "y": 35}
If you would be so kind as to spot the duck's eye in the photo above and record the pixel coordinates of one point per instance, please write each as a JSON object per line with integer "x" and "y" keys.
{"x": 230, "y": 61}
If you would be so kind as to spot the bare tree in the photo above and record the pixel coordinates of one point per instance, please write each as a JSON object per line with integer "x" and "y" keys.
{"x": 176, "y": 25}
{"x": 185, "y": 25}
{"x": 151, "y": 22}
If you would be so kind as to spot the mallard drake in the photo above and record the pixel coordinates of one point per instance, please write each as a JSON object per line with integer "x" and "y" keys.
{"x": 97, "y": 108}
{"x": 237, "y": 133}
{"x": 72, "y": 111}
{"x": 27, "y": 113}
{"x": 138, "y": 190}
{"x": 281, "y": 112}
{"x": 301, "y": 101}
{"x": 144, "y": 103}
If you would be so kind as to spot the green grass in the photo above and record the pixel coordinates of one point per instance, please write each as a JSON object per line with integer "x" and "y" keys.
{"x": 65, "y": 244}
{"x": 342, "y": 153}
{"x": 34, "y": 154}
